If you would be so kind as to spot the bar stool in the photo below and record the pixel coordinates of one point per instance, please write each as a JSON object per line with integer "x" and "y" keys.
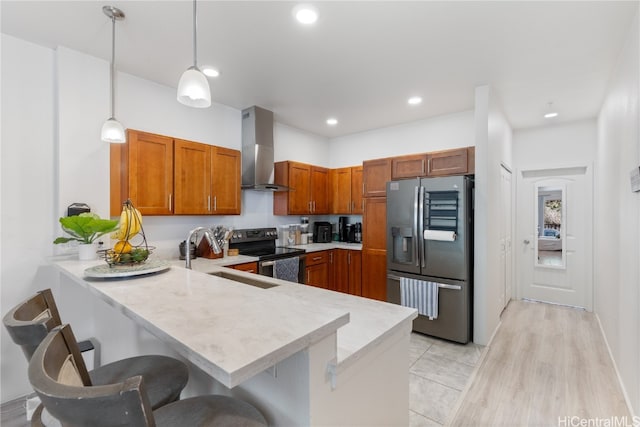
{"x": 30, "y": 321}
{"x": 58, "y": 375}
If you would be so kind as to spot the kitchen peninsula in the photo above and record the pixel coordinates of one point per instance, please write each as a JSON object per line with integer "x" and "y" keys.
{"x": 302, "y": 355}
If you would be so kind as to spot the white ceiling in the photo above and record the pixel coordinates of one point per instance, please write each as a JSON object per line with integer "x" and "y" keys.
{"x": 361, "y": 60}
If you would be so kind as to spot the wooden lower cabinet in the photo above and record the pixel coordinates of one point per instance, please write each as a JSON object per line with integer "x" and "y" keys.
{"x": 249, "y": 267}
{"x": 347, "y": 271}
{"x": 374, "y": 274}
{"x": 318, "y": 269}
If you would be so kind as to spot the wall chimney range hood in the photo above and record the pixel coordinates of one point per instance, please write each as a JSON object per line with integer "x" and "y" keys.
{"x": 257, "y": 150}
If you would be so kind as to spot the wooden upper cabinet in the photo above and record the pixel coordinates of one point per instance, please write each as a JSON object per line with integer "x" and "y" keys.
{"x": 356, "y": 190}
{"x": 192, "y": 178}
{"x": 345, "y": 186}
{"x": 449, "y": 162}
{"x": 225, "y": 181}
{"x": 341, "y": 191}
{"x": 471, "y": 160}
{"x": 319, "y": 191}
{"x": 142, "y": 170}
{"x": 163, "y": 175}
{"x": 375, "y": 175}
{"x": 411, "y": 166}
{"x": 309, "y": 189}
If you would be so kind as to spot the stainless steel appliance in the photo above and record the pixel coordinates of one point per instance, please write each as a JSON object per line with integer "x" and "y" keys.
{"x": 261, "y": 243}
{"x": 430, "y": 238}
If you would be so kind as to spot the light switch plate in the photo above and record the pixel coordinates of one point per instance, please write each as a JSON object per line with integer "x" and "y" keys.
{"x": 635, "y": 179}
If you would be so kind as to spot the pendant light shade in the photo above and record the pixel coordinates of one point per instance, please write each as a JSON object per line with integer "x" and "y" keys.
{"x": 112, "y": 129}
{"x": 193, "y": 88}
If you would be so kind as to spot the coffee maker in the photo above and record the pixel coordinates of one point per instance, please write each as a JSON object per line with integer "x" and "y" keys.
{"x": 343, "y": 232}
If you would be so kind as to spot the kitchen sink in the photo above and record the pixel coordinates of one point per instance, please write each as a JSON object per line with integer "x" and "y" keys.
{"x": 244, "y": 280}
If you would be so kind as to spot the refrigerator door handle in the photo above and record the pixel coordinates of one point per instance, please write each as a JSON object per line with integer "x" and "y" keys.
{"x": 423, "y": 249}
{"x": 416, "y": 246}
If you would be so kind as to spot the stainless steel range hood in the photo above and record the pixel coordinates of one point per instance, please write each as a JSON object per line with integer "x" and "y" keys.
{"x": 257, "y": 150}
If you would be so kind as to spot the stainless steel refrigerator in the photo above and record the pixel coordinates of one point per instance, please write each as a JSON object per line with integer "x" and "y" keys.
{"x": 430, "y": 238}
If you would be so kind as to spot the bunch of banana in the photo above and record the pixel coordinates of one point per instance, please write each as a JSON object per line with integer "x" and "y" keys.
{"x": 130, "y": 225}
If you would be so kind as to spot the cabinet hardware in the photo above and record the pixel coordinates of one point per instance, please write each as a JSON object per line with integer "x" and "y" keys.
{"x": 317, "y": 258}
{"x": 331, "y": 257}
{"x": 209, "y": 203}
{"x": 170, "y": 202}
{"x": 422, "y": 169}
{"x": 215, "y": 203}
{"x": 349, "y": 257}
{"x": 310, "y": 206}
{"x": 314, "y": 206}
{"x": 429, "y": 166}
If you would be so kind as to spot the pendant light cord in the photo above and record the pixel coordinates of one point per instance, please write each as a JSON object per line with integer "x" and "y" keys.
{"x": 195, "y": 39}
{"x": 112, "y": 71}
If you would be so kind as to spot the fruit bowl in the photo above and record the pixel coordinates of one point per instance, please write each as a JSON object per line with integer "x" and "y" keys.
{"x": 137, "y": 255}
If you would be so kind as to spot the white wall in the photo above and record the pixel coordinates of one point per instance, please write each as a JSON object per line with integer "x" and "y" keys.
{"x": 27, "y": 217}
{"x": 617, "y": 218}
{"x": 493, "y": 140}
{"x": 436, "y": 133}
{"x": 562, "y": 144}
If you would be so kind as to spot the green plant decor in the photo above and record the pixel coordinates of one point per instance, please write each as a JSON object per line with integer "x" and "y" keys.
{"x": 85, "y": 228}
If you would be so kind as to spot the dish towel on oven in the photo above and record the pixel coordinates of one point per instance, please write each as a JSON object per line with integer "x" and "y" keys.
{"x": 287, "y": 269}
{"x": 420, "y": 294}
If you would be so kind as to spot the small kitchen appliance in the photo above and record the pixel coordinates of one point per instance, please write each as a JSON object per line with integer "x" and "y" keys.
{"x": 321, "y": 232}
{"x": 343, "y": 232}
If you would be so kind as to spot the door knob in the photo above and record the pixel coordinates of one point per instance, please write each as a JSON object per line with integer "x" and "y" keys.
{"x": 526, "y": 242}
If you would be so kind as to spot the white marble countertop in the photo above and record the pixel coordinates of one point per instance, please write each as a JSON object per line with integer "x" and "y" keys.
{"x": 315, "y": 247}
{"x": 234, "y": 331}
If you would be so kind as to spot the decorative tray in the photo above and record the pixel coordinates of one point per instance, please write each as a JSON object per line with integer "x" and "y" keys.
{"x": 127, "y": 270}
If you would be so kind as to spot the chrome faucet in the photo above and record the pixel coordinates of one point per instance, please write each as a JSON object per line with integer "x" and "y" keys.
{"x": 207, "y": 233}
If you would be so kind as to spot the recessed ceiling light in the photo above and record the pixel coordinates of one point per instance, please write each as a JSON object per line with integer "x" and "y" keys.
{"x": 210, "y": 72}
{"x": 414, "y": 100}
{"x": 305, "y": 14}
{"x": 551, "y": 113}
{"x": 332, "y": 121}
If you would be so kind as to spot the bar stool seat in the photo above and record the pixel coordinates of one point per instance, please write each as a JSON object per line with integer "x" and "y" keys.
{"x": 58, "y": 375}
{"x": 29, "y": 322}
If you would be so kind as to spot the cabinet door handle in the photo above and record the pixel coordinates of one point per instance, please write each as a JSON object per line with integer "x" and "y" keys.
{"x": 310, "y": 206}
{"x": 215, "y": 203}
{"x": 349, "y": 257}
{"x": 363, "y": 188}
{"x": 331, "y": 257}
{"x": 308, "y": 278}
{"x": 423, "y": 171}
{"x": 170, "y": 202}
{"x": 314, "y": 206}
{"x": 317, "y": 258}
{"x": 429, "y": 166}
{"x": 209, "y": 203}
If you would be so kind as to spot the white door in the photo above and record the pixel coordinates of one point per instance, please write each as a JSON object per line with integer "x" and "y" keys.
{"x": 506, "y": 261}
{"x": 554, "y": 235}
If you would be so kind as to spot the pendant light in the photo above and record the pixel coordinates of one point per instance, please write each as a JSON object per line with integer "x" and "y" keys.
{"x": 193, "y": 88}
{"x": 112, "y": 130}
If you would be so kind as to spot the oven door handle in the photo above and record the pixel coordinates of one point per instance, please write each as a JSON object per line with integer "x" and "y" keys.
{"x": 267, "y": 263}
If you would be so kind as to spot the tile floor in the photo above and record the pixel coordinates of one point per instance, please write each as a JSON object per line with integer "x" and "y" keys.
{"x": 438, "y": 372}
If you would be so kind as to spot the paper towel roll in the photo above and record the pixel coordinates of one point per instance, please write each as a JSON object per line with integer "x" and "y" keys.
{"x": 445, "y": 236}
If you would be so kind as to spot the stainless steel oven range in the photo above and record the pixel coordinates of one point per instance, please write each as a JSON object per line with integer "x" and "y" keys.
{"x": 261, "y": 243}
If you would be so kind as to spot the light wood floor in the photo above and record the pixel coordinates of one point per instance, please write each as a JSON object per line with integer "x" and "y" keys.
{"x": 545, "y": 363}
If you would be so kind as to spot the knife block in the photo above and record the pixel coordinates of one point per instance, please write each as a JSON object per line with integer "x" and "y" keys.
{"x": 204, "y": 250}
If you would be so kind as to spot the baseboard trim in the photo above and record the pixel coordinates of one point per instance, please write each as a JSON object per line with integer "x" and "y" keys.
{"x": 615, "y": 367}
